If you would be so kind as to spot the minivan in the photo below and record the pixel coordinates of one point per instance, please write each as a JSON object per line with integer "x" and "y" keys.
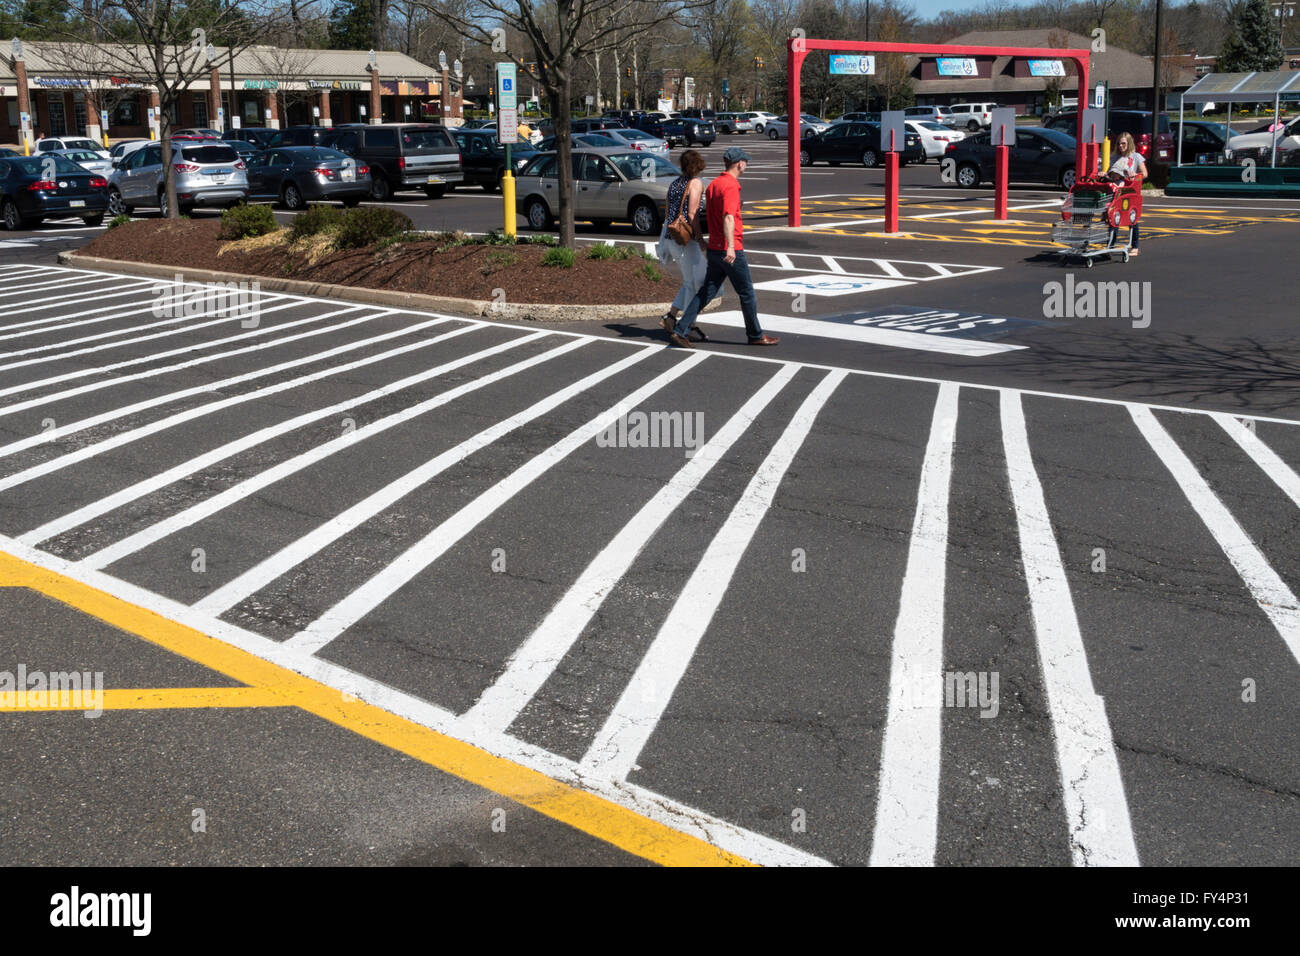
{"x": 402, "y": 156}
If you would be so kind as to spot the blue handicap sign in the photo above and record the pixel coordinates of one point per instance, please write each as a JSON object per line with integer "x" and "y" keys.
{"x": 507, "y": 84}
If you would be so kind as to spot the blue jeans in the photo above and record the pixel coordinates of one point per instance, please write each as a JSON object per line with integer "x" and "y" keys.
{"x": 738, "y": 273}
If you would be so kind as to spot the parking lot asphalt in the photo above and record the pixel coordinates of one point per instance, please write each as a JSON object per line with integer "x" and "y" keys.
{"x": 708, "y": 650}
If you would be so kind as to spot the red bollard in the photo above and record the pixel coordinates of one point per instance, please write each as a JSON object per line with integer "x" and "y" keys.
{"x": 1000, "y": 183}
{"x": 891, "y": 191}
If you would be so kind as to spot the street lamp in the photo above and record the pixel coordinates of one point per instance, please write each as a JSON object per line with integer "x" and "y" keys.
{"x": 17, "y": 47}
{"x": 442, "y": 60}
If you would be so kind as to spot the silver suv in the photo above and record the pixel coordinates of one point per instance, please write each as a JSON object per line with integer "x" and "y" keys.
{"x": 207, "y": 174}
{"x": 973, "y": 116}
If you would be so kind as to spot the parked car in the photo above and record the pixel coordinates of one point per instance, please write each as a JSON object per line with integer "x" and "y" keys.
{"x": 856, "y": 143}
{"x": 402, "y": 156}
{"x": 122, "y": 147}
{"x": 973, "y": 116}
{"x": 197, "y": 132}
{"x": 88, "y": 159}
{"x": 8, "y": 152}
{"x": 734, "y": 123}
{"x": 299, "y": 136}
{"x": 935, "y": 114}
{"x": 594, "y": 124}
{"x": 759, "y": 118}
{"x": 1259, "y": 146}
{"x": 694, "y": 112}
{"x": 638, "y": 140}
{"x": 698, "y": 131}
{"x": 1200, "y": 138}
{"x": 478, "y": 124}
{"x": 1040, "y": 155}
{"x": 809, "y": 125}
{"x": 52, "y": 144}
{"x": 594, "y": 140}
{"x": 27, "y": 197}
{"x": 935, "y": 137}
{"x": 857, "y": 118}
{"x": 1136, "y": 123}
{"x": 207, "y": 174}
{"x": 671, "y": 131}
{"x": 483, "y": 158}
{"x": 259, "y": 136}
{"x": 243, "y": 148}
{"x": 611, "y": 186}
{"x": 297, "y": 175}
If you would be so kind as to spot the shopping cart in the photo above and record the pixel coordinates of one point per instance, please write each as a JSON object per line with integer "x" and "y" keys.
{"x": 1092, "y": 209}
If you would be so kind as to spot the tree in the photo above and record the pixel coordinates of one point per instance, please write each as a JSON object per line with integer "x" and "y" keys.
{"x": 287, "y": 67}
{"x": 352, "y": 26}
{"x": 558, "y": 35}
{"x": 1252, "y": 42}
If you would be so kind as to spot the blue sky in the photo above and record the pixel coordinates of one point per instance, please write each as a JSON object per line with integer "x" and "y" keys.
{"x": 926, "y": 9}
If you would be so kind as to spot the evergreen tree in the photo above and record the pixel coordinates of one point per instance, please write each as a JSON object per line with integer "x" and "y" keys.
{"x": 1252, "y": 42}
{"x": 353, "y": 25}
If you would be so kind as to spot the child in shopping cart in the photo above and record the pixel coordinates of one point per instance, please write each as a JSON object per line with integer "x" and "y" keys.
{"x": 1128, "y": 166}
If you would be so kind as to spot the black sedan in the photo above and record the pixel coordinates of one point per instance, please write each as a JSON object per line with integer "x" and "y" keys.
{"x": 33, "y": 188}
{"x": 671, "y": 131}
{"x": 856, "y": 143}
{"x": 259, "y": 136}
{"x": 483, "y": 158}
{"x": 1040, "y": 155}
{"x": 1202, "y": 139}
{"x": 296, "y": 175}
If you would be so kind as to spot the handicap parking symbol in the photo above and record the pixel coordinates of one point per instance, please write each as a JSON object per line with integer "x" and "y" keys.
{"x": 824, "y": 284}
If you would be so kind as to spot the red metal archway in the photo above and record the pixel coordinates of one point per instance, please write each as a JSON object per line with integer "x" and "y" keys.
{"x": 797, "y": 49}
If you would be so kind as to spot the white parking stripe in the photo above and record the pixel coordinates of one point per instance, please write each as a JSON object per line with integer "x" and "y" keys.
{"x": 538, "y": 657}
{"x": 153, "y": 372}
{"x": 433, "y": 545}
{"x": 292, "y": 555}
{"x": 1268, "y": 589}
{"x": 1097, "y": 816}
{"x": 30, "y": 327}
{"x": 45, "y": 283}
{"x": 907, "y": 802}
{"x": 132, "y": 288}
{"x": 1266, "y": 458}
{"x": 614, "y": 751}
{"x": 263, "y": 479}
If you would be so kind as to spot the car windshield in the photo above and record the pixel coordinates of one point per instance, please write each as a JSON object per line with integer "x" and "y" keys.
{"x": 80, "y": 144}
{"x": 83, "y": 156}
{"x": 323, "y": 153}
{"x": 209, "y": 154}
{"x": 596, "y": 139}
{"x": 931, "y": 124}
{"x": 33, "y": 166}
{"x": 806, "y": 118}
{"x": 633, "y": 165}
{"x": 1059, "y": 137}
{"x": 634, "y": 134}
{"x": 943, "y": 111}
{"x": 432, "y": 139}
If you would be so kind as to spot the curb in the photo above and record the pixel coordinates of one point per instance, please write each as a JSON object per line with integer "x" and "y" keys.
{"x": 482, "y": 308}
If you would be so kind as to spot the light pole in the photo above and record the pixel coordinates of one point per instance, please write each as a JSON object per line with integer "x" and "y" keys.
{"x": 758, "y": 65}
{"x": 1282, "y": 11}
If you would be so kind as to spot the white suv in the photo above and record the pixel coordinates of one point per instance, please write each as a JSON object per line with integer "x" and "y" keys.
{"x": 973, "y": 116}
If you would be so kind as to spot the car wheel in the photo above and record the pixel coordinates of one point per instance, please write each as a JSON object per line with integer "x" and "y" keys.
{"x": 1067, "y": 177}
{"x": 380, "y": 191}
{"x": 772, "y": 134}
{"x": 162, "y": 203}
{"x": 93, "y": 220}
{"x": 435, "y": 192}
{"x": 870, "y": 158}
{"x": 805, "y": 158}
{"x": 973, "y": 126}
{"x": 968, "y": 175}
{"x": 645, "y": 218}
{"x": 291, "y": 196}
{"x": 13, "y": 219}
{"x": 115, "y": 204}
{"x": 491, "y": 186}
{"x": 538, "y": 215}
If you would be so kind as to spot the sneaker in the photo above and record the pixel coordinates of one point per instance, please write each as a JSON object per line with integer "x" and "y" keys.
{"x": 698, "y": 333}
{"x": 668, "y": 322}
{"x": 1132, "y": 252}
{"x": 680, "y": 341}
{"x": 765, "y": 339}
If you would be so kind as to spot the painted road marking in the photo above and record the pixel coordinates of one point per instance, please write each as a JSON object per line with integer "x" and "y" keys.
{"x": 907, "y": 802}
{"x": 1100, "y": 831}
{"x": 869, "y": 335}
{"x": 614, "y": 751}
{"x": 830, "y": 284}
{"x": 164, "y": 698}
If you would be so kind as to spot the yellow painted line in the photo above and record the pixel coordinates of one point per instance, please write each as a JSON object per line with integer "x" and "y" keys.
{"x": 577, "y": 808}
{"x": 158, "y": 698}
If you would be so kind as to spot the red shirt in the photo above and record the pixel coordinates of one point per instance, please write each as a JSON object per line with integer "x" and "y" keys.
{"x": 722, "y": 198}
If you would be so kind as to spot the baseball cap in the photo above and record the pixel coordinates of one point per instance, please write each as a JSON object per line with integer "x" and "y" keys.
{"x": 735, "y": 154}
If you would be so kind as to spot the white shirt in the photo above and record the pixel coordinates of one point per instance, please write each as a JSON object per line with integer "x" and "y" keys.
{"x": 1126, "y": 166}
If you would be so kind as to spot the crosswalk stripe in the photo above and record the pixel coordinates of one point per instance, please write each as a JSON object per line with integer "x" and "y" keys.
{"x": 263, "y": 479}
{"x": 141, "y": 431}
{"x": 207, "y": 459}
{"x": 907, "y": 803}
{"x": 536, "y": 659}
{"x": 614, "y": 751}
{"x": 44, "y": 400}
{"x": 429, "y": 548}
{"x": 1268, "y": 589}
{"x": 1097, "y": 815}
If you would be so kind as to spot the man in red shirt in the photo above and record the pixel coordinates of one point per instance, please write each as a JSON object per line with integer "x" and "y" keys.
{"x": 726, "y": 254}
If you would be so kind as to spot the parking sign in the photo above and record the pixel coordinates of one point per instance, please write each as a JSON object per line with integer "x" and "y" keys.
{"x": 508, "y": 94}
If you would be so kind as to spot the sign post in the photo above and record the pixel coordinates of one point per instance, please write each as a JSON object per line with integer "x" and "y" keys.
{"x": 1094, "y": 134}
{"x": 25, "y": 121}
{"x": 893, "y": 137}
{"x": 507, "y": 134}
{"x": 1003, "y": 136}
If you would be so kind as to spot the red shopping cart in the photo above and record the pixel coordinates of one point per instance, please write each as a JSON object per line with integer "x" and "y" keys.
{"x": 1096, "y": 213}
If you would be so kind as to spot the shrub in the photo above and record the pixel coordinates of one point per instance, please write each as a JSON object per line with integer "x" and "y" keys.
{"x": 244, "y": 221}
{"x": 116, "y": 221}
{"x": 559, "y": 256}
{"x": 393, "y": 240}
{"x": 602, "y": 251}
{"x": 315, "y": 220}
{"x": 364, "y": 225}
{"x": 651, "y": 272}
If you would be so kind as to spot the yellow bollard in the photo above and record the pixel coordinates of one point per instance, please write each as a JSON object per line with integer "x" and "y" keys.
{"x": 1105, "y": 155}
{"x": 508, "y": 192}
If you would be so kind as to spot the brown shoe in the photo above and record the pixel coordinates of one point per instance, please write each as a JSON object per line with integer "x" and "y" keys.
{"x": 765, "y": 339}
{"x": 680, "y": 341}
{"x": 668, "y": 322}
{"x": 698, "y": 334}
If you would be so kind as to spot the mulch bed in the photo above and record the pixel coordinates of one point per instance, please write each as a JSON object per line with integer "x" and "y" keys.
{"x": 469, "y": 272}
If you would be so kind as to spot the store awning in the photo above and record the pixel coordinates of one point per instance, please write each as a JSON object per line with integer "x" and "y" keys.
{"x": 1255, "y": 87}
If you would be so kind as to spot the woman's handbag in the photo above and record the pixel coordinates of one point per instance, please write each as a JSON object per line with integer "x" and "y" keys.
{"x": 680, "y": 229}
